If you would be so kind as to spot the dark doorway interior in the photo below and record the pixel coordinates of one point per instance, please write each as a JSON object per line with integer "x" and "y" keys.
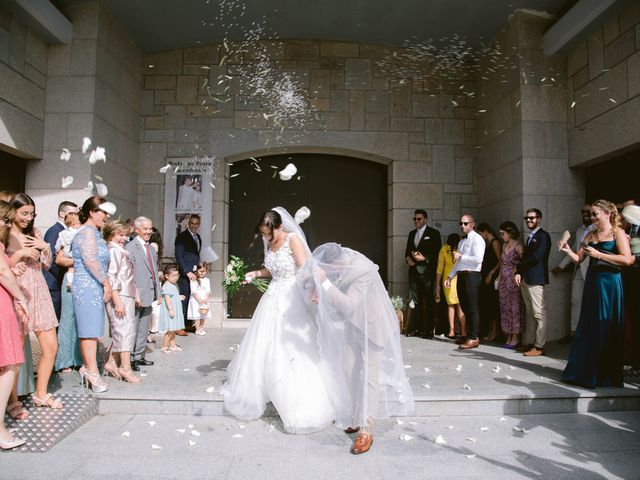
{"x": 615, "y": 180}
{"x": 347, "y": 198}
{"x": 13, "y": 172}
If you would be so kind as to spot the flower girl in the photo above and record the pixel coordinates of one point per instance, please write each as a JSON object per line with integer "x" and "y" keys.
{"x": 171, "y": 316}
{"x": 198, "y": 310}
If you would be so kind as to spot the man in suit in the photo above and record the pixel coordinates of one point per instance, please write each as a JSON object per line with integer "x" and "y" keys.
{"x": 421, "y": 255}
{"x": 187, "y": 250}
{"x": 147, "y": 281}
{"x": 579, "y": 271}
{"x": 532, "y": 274}
{"x": 55, "y": 274}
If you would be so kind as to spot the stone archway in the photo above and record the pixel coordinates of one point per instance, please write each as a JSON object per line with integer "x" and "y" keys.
{"x": 347, "y": 197}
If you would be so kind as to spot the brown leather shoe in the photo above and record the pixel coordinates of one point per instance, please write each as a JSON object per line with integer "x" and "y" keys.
{"x": 469, "y": 344}
{"x": 362, "y": 443}
{"x": 181, "y": 333}
{"x": 534, "y": 352}
{"x": 461, "y": 340}
{"x": 352, "y": 430}
{"x": 524, "y": 348}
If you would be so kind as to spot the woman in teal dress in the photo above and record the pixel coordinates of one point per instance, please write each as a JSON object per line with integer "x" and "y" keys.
{"x": 597, "y": 348}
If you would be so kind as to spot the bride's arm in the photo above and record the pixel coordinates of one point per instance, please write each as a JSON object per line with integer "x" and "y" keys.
{"x": 298, "y": 250}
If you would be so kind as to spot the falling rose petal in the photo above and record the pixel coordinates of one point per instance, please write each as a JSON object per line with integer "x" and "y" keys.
{"x": 155, "y": 447}
{"x": 210, "y": 389}
{"x": 612, "y": 100}
{"x": 412, "y": 304}
{"x": 180, "y": 430}
{"x": 191, "y": 443}
{"x": 302, "y": 214}
{"x": 234, "y": 175}
{"x": 484, "y": 429}
{"x": 86, "y": 143}
{"x": 151, "y": 423}
{"x": 237, "y": 435}
{"x": 102, "y": 189}
{"x": 65, "y": 155}
{"x": 406, "y": 437}
{"x": 125, "y": 435}
{"x": 439, "y": 440}
{"x": 89, "y": 187}
{"x": 573, "y": 104}
{"x": 287, "y": 172}
{"x": 195, "y": 433}
{"x": 66, "y": 181}
{"x": 165, "y": 168}
{"x": 212, "y": 185}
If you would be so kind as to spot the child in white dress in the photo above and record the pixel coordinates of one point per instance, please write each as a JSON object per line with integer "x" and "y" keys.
{"x": 63, "y": 245}
{"x": 198, "y": 309}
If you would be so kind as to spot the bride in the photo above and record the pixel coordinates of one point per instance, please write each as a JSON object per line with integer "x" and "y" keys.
{"x": 278, "y": 359}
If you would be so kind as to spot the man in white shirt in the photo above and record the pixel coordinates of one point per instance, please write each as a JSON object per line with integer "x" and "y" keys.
{"x": 579, "y": 271}
{"x": 468, "y": 264}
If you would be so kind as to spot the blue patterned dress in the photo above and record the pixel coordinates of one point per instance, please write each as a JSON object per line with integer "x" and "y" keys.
{"x": 168, "y": 323}
{"x": 91, "y": 263}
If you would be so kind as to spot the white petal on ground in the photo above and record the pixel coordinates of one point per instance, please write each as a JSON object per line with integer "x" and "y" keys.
{"x": 511, "y": 367}
{"x": 86, "y": 143}
{"x": 449, "y": 427}
{"x": 241, "y": 426}
{"x": 407, "y": 367}
{"x": 125, "y": 435}
{"x": 151, "y": 423}
{"x": 427, "y": 369}
{"x": 412, "y": 423}
{"x": 272, "y": 427}
{"x": 471, "y": 439}
{"x": 180, "y": 430}
{"x": 165, "y": 168}
{"x": 426, "y": 385}
{"x": 400, "y": 422}
{"x": 484, "y": 429}
{"x": 191, "y": 443}
{"x": 66, "y": 181}
{"x": 466, "y": 387}
{"x": 507, "y": 377}
{"x": 520, "y": 429}
{"x": 496, "y": 369}
{"x": 210, "y": 389}
{"x": 471, "y": 455}
{"x": 237, "y": 435}
{"x": 155, "y": 447}
{"x": 143, "y": 374}
{"x": 65, "y": 155}
{"x": 186, "y": 369}
{"x": 440, "y": 440}
{"x": 502, "y": 419}
{"x": 195, "y": 433}
{"x": 480, "y": 365}
{"x": 406, "y": 437}
{"x": 190, "y": 425}
{"x": 459, "y": 368}
{"x": 102, "y": 189}
{"x": 302, "y": 214}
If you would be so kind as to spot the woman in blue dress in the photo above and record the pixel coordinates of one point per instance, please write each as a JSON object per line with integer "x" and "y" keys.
{"x": 596, "y": 358}
{"x": 91, "y": 288}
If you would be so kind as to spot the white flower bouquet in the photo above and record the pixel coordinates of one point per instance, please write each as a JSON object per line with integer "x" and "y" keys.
{"x": 234, "y": 277}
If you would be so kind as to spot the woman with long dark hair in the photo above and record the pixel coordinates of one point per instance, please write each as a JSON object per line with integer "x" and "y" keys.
{"x": 510, "y": 296}
{"x": 91, "y": 287}
{"x": 28, "y": 246}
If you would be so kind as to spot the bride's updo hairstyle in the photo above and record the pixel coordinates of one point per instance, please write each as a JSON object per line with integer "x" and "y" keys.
{"x": 270, "y": 219}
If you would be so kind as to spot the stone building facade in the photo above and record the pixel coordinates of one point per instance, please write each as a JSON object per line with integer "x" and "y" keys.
{"x": 490, "y": 144}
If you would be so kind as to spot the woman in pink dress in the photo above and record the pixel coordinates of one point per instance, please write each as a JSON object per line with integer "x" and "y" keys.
{"x": 11, "y": 355}
{"x": 27, "y": 245}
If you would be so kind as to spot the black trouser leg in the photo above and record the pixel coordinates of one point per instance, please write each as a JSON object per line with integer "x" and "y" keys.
{"x": 468, "y": 293}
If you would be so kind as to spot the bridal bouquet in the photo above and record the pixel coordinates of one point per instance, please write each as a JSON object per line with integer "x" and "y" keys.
{"x": 234, "y": 277}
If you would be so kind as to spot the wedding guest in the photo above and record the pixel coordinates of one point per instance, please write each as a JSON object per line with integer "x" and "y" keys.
{"x": 187, "y": 250}
{"x": 445, "y": 265}
{"x": 55, "y": 273}
{"x": 631, "y": 281}
{"x": 121, "y": 309}
{"x": 91, "y": 287}
{"x": 489, "y": 305}
{"x": 596, "y": 358}
{"x": 69, "y": 355}
{"x": 511, "y": 303}
{"x": 421, "y": 255}
{"x": 156, "y": 243}
{"x": 27, "y": 245}
{"x": 147, "y": 286}
{"x": 532, "y": 275}
{"x": 579, "y": 272}
{"x": 468, "y": 267}
{"x": 198, "y": 311}
{"x": 171, "y": 318}
{"x": 12, "y": 310}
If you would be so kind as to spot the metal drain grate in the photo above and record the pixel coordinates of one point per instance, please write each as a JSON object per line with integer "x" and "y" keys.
{"x": 45, "y": 427}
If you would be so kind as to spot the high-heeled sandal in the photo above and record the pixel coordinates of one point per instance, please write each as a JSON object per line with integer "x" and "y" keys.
{"x": 110, "y": 368}
{"x": 48, "y": 401}
{"x": 16, "y": 442}
{"x": 17, "y": 411}
{"x": 94, "y": 379}
{"x": 127, "y": 375}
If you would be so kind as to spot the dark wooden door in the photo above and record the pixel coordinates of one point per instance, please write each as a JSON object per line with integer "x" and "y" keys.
{"x": 347, "y": 198}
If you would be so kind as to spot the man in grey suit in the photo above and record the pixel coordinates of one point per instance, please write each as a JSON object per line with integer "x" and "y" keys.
{"x": 147, "y": 280}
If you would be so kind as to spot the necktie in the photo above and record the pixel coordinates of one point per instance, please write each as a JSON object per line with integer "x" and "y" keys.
{"x": 529, "y": 238}
{"x": 150, "y": 262}
{"x": 195, "y": 239}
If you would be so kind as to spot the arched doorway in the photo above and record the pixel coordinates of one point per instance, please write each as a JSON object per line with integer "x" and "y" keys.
{"x": 347, "y": 197}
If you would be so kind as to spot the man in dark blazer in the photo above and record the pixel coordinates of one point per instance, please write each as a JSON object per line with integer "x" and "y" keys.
{"x": 55, "y": 274}
{"x": 187, "y": 250}
{"x": 532, "y": 274}
{"x": 421, "y": 254}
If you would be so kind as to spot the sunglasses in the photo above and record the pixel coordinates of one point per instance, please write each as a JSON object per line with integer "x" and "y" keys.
{"x": 595, "y": 214}
{"x": 464, "y": 223}
{"x": 529, "y": 219}
{"x": 417, "y": 219}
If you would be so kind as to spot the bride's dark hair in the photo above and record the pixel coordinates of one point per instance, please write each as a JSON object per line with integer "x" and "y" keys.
{"x": 270, "y": 219}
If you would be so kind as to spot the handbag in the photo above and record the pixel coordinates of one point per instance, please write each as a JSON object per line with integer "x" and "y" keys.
{"x": 602, "y": 265}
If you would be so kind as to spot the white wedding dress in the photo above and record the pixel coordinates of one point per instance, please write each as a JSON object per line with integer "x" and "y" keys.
{"x": 278, "y": 359}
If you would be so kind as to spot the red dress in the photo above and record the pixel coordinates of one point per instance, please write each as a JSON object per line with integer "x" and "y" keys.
{"x": 10, "y": 338}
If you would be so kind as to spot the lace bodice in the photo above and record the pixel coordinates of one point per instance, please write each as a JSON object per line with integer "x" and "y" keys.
{"x": 280, "y": 263}
{"x": 90, "y": 253}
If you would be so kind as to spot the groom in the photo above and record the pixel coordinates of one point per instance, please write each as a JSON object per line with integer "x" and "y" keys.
{"x": 358, "y": 328}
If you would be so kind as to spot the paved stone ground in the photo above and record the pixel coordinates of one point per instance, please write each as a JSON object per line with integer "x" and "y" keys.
{"x": 479, "y": 444}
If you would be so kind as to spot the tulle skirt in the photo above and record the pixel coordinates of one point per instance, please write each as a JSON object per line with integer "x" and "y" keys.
{"x": 278, "y": 362}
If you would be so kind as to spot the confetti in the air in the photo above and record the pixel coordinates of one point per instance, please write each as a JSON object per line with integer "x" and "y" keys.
{"x": 101, "y": 189}
{"x": 302, "y": 214}
{"x": 86, "y": 143}
{"x": 65, "y": 155}
{"x": 165, "y": 168}
{"x": 67, "y": 181}
{"x": 288, "y": 172}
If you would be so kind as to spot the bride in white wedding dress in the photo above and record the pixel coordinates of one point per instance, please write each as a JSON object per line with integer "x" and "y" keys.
{"x": 278, "y": 359}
